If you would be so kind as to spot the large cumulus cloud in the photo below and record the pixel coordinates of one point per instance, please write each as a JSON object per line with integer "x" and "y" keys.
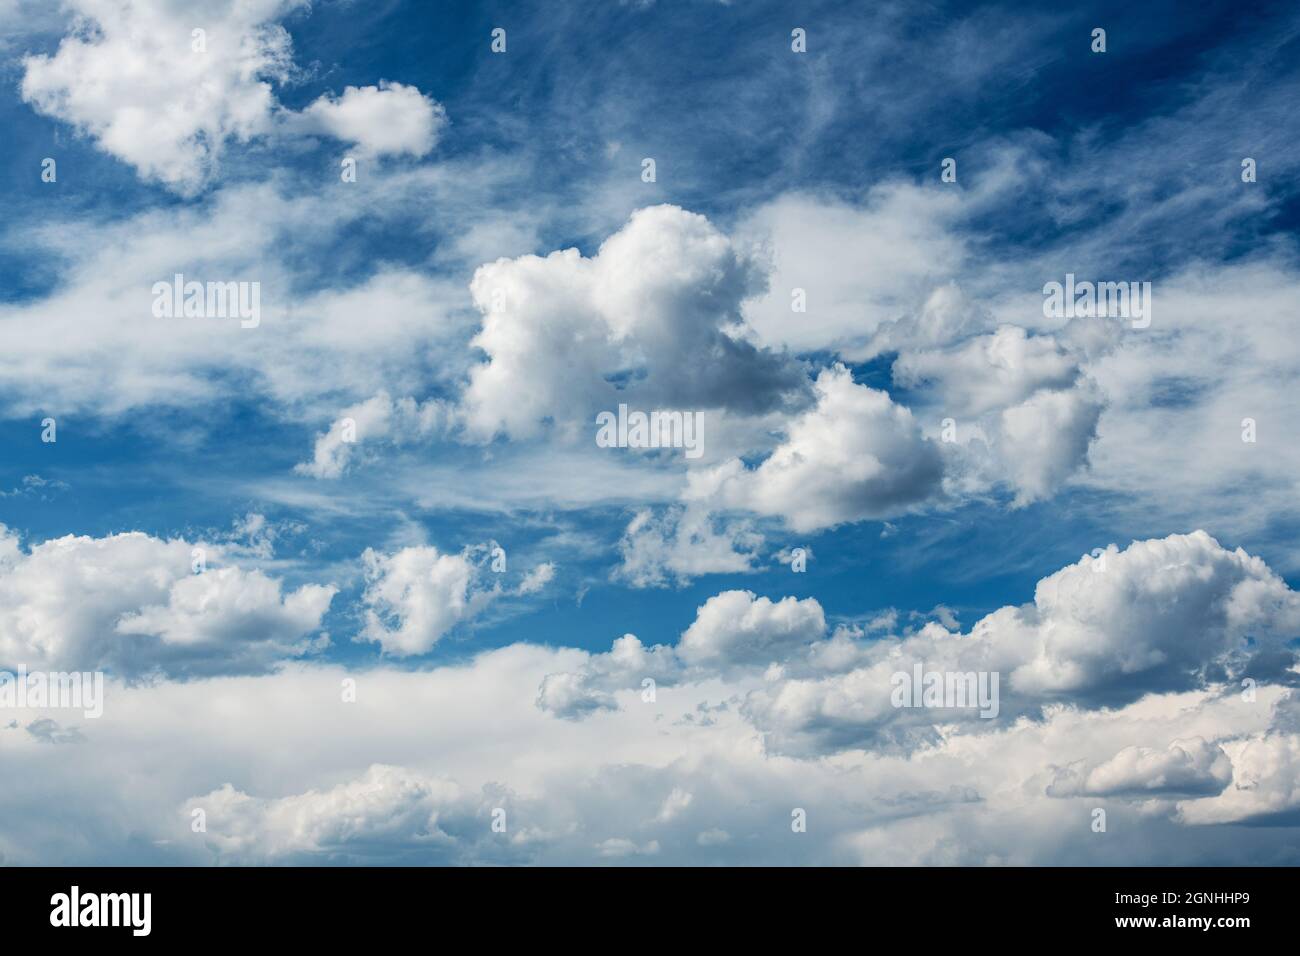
{"x": 652, "y": 320}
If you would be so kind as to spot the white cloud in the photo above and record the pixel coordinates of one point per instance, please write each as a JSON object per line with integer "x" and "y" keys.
{"x": 227, "y": 606}
{"x": 1022, "y": 409}
{"x": 1129, "y": 671}
{"x": 989, "y": 372}
{"x": 683, "y": 542}
{"x": 1165, "y": 615}
{"x": 860, "y": 266}
{"x": 1221, "y": 348}
{"x": 652, "y": 320}
{"x": 375, "y": 418}
{"x": 416, "y": 595}
{"x": 855, "y": 456}
{"x": 101, "y": 349}
{"x": 572, "y": 695}
{"x": 537, "y": 579}
{"x": 1045, "y": 439}
{"x": 1185, "y": 767}
{"x": 738, "y": 627}
{"x": 293, "y": 779}
{"x": 386, "y": 811}
{"x": 131, "y": 603}
{"x": 1266, "y": 784}
{"x": 129, "y": 76}
{"x": 388, "y": 120}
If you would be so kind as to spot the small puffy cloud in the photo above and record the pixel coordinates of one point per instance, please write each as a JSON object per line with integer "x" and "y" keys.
{"x": 683, "y": 542}
{"x": 651, "y": 320}
{"x": 1186, "y": 767}
{"x": 732, "y": 632}
{"x": 855, "y": 456}
{"x": 571, "y": 696}
{"x": 390, "y": 119}
{"x": 131, "y": 604}
{"x": 737, "y": 627}
{"x": 415, "y": 596}
{"x": 1045, "y": 439}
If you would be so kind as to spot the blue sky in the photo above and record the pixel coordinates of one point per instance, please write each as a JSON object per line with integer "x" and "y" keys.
{"x": 433, "y": 304}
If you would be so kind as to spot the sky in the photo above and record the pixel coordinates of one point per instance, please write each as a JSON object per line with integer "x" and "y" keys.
{"x": 364, "y": 584}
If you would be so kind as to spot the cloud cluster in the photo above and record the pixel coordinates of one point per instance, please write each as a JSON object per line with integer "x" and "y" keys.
{"x": 165, "y": 90}
{"x": 683, "y": 778}
{"x": 1118, "y": 691}
{"x": 133, "y": 605}
{"x": 1163, "y": 616}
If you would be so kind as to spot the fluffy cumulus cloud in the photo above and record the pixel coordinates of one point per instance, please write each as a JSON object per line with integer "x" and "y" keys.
{"x": 652, "y": 320}
{"x": 130, "y": 76}
{"x": 166, "y": 90}
{"x": 1164, "y": 615}
{"x": 680, "y": 776}
{"x": 1018, "y": 408}
{"x": 1266, "y": 784}
{"x": 1120, "y": 689}
{"x": 386, "y": 813}
{"x": 628, "y": 663}
{"x": 738, "y": 627}
{"x": 390, "y": 119}
{"x": 1167, "y": 615}
{"x": 1044, "y": 440}
{"x": 1186, "y": 767}
{"x": 732, "y": 632}
{"x": 682, "y": 542}
{"x": 414, "y": 596}
{"x": 990, "y": 372}
{"x": 855, "y": 455}
{"x": 132, "y": 604}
